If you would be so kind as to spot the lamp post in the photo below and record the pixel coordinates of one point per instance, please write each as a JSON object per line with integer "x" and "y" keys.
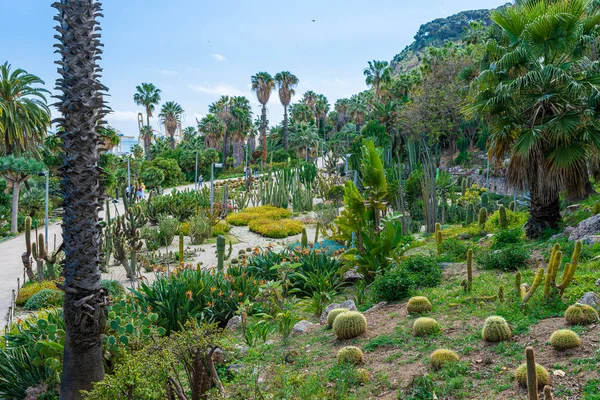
{"x": 47, "y": 174}
{"x": 128, "y": 170}
{"x": 212, "y": 183}
{"x": 306, "y": 153}
{"x": 196, "y": 176}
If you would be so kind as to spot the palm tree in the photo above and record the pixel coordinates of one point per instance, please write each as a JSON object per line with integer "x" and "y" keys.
{"x": 170, "y": 115}
{"x": 24, "y": 115}
{"x": 213, "y": 129}
{"x": 358, "y": 110}
{"x": 539, "y": 98}
{"x": 377, "y": 73}
{"x": 148, "y": 96}
{"x": 301, "y": 112}
{"x": 147, "y": 135}
{"x": 222, "y": 109}
{"x": 304, "y": 136}
{"x": 82, "y": 109}
{"x": 321, "y": 110}
{"x": 263, "y": 84}
{"x": 241, "y": 125}
{"x": 188, "y": 133}
{"x": 342, "y": 106}
{"x": 110, "y": 138}
{"x": 286, "y": 82}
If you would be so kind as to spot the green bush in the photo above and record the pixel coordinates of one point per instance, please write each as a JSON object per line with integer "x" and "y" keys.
{"x": 507, "y": 237}
{"x": 152, "y": 238}
{"x": 393, "y": 285}
{"x": 514, "y": 219}
{"x": 427, "y": 271}
{"x": 200, "y": 229}
{"x": 509, "y": 258}
{"x": 152, "y": 177}
{"x": 114, "y": 289}
{"x": 454, "y": 249}
{"x": 275, "y": 229}
{"x": 244, "y": 217}
{"x": 32, "y": 288}
{"x": 167, "y": 229}
{"x": 221, "y": 228}
{"x": 44, "y": 299}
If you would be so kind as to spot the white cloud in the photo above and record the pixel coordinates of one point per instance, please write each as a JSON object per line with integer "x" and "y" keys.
{"x": 123, "y": 116}
{"x": 168, "y": 72}
{"x": 218, "y": 57}
{"x": 219, "y": 89}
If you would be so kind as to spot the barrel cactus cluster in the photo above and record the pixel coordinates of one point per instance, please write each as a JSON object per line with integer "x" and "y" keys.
{"x": 543, "y": 377}
{"x": 581, "y": 314}
{"x": 441, "y": 357}
{"x": 564, "y": 339}
{"x": 349, "y": 325}
{"x": 496, "y": 329}
{"x": 350, "y": 355}
{"x": 425, "y": 326}
{"x": 333, "y": 314}
{"x": 418, "y": 305}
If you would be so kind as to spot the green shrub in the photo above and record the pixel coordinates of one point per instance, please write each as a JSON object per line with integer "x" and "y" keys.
{"x": 114, "y": 289}
{"x": 333, "y": 314}
{"x": 418, "y": 305}
{"x": 349, "y": 325}
{"x": 564, "y": 339}
{"x": 244, "y": 217}
{"x": 543, "y": 378}
{"x": 427, "y": 271}
{"x": 454, "y": 249}
{"x": 275, "y": 229}
{"x": 167, "y": 229}
{"x": 425, "y": 326}
{"x": 32, "y": 288}
{"x": 496, "y": 329}
{"x": 44, "y": 299}
{"x": 152, "y": 177}
{"x": 514, "y": 220}
{"x": 441, "y": 357}
{"x": 393, "y": 285}
{"x": 152, "y": 238}
{"x": 509, "y": 258}
{"x": 350, "y": 355}
{"x": 221, "y": 228}
{"x": 200, "y": 229}
{"x": 507, "y": 237}
{"x": 581, "y": 314}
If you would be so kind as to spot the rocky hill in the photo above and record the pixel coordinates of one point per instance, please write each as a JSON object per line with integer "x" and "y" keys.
{"x": 435, "y": 33}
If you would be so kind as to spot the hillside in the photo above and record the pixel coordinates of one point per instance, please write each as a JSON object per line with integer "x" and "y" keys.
{"x": 435, "y": 33}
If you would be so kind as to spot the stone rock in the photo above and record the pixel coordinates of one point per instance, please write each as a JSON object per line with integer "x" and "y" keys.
{"x": 591, "y": 239}
{"x": 446, "y": 265}
{"x": 586, "y": 228}
{"x": 351, "y": 276}
{"x": 218, "y": 356}
{"x": 598, "y": 282}
{"x": 270, "y": 342}
{"x": 236, "y": 368}
{"x": 301, "y": 327}
{"x": 557, "y": 236}
{"x": 573, "y": 207}
{"x": 349, "y": 304}
{"x": 234, "y": 323}
{"x": 591, "y": 299}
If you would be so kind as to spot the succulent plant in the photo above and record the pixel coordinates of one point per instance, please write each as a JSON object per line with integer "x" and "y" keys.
{"x": 425, "y": 326}
{"x": 350, "y": 355}
{"x": 502, "y": 217}
{"x": 543, "y": 378}
{"x": 469, "y": 283}
{"x": 362, "y": 375}
{"x": 304, "y": 240}
{"x": 349, "y": 325}
{"x": 548, "y": 392}
{"x": 483, "y": 214}
{"x": 441, "y": 357}
{"x": 333, "y": 314}
{"x": 241, "y": 252}
{"x": 234, "y": 261}
{"x": 564, "y": 339}
{"x": 418, "y": 305}
{"x": 496, "y": 329}
{"x": 581, "y": 314}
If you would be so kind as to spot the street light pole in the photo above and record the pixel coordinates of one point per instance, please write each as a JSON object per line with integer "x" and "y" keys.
{"x": 212, "y": 183}
{"x": 128, "y": 172}
{"x": 196, "y": 179}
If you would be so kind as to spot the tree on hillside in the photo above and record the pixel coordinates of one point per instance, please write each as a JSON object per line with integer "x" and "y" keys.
{"x": 82, "y": 109}
{"x": 24, "y": 115}
{"x": 170, "y": 115}
{"x": 263, "y": 85}
{"x": 286, "y": 82}
{"x": 376, "y": 74}
{"x": 539, "y": 96}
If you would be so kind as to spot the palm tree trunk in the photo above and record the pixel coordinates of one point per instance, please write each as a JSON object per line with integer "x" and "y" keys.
{"x": 147, "y": 147}
{"x": 82, "y": 108}
{"x": 238, "y": 151}
{"x": 263, "y": 129}
{"x": 225, "y": 146}
{"x": 286, "y": 134}
{"x": 172, "y": 135}
{"x": 14, "y": 226}
{"x": 544, "y": 210}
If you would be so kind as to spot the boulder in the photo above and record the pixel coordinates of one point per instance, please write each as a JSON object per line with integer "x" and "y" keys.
{"x": 591, "y": 299}
{"x": 573, "y": 207}
{"x": 586, "y": 228}
{"x": 591, "y": 239}
{"x": 349, "y": 304}
{"x": 301, "y": 327}
{"x": 598, "y": 282}
{"x": 352, "y": 275}
{"x": 234, "y": 323}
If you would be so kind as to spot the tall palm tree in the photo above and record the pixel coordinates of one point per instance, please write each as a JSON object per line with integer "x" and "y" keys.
{"x": 147, "y": 135}
{"x": 82, "y": 109}
{"x": 213, "y": 129}
{"x": 241, "y": 125}
{"x": 301, "y": 112}
{"x": 376, "y": 74}
{"x": 24, "y": 115}
{"x": 263, "y": 85}
{"x": 222, "y": 109}
{"x": 358, "y": 110}
{"x": 341, "y": 106}
{"x": 303, "y": 137}
{"x": 188, "y": 133}
{"x": 170, "y": 115}
{"x": 310, "y": 99}
{"x": 321, "y": 110}
{"x": 539, "y": 97}
{"x": 286, "y": 82}
{"x": 110, "y": 138}
{"x": 148, "y": 96}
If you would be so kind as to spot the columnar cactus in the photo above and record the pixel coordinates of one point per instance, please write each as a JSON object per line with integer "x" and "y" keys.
{"x": 469, "y": 284}
{"x": 548, "y": 392}
{"x": 526, "y": 291}
{"x": 496, "y": 329}
{"x": 181, "y": 248}
{"x": 38, "y": 250}
{"x": 469, "y": 220}
{"x": 418, "y": 305}
{"x": 581, "y": 314}
{"x": 318, "y": 227}
{"x": 350, "y": 355}
{"x": 501, "y": 293}
{"x": 349, "y": 325}
{"x": 441, "y": 357}
{"x": 518, "y": 279}
{"x": 304, "y": 240}
{"x": 512, "y": 206}
{"x": 26, "y": 256}
{"x": 564, "y": 339}
{"x": 483, "y": 214}
{"x": 532, "y": 375}
{"x": 551, "y": 287}
{"x": 425, "y": 326}
{"x": 484, "y": 200}
{"x": 463, "y": 187}
{"x": 438, "y": 241}
{"x": 502, "y": 220}
{"x": 220, "y": 252}
{"x": 333, "y": 314}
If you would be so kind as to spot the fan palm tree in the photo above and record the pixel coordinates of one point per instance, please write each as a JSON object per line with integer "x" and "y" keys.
{"x": 376, "y": 74}
{"x": 148, "y": 96}
{"x": 222, "y": 109}
{"x": 321, "y": 109}
{"x": 110, "y": 138}
{"x": 263, "y": 85}
{"x": 213, "y": 129}
{"x": 170, "y": 115}
{"x": 188, "y": 133}
{"x": 304, "y": 136}
{"x": 342, "y": 106}
{"x": 358, "y": 110}
{"x": 539, "y": 97}
{"x": 24, "y": 115}
{"x": 301, "y": 112}
{"x": 147, "y": 135}
{"x": 241, "y": 125}
{"x": 82, "y": 109}
{"x": 286, "y": 82}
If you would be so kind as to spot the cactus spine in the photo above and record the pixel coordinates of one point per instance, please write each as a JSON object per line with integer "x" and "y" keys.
{"x": 532, "y": 384}
{"x": 483, "y": 214}
{"x": 220, "y": 252}
{"x": 469, "y": 284}
{"x": 304, "y": 240}
{"x": 502, "y": 217}
{"x": 181, "y": 255}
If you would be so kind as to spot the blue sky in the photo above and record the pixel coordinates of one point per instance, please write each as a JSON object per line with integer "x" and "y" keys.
{"x": 197, "y": 50}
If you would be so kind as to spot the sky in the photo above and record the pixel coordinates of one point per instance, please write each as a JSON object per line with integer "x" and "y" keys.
{"x": 197, "y": 50}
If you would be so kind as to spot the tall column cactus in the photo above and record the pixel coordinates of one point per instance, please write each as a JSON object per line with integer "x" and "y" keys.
{"x": 304, "y": 239}
{"x": 532, "y": 385}
{"x": 551, "y": 288}
{"x": 38, "y": 250}
{"x": 181, "y": 249}
{"x": 502, "y": 220}
{"x": 438, "y": 238}
{"x": 220, "y": 252}
{"x": 469, "y": 285}
{"x": 127, "y": 235}
{"x": 483, "y": 214}
{"x": 26, "y": 256}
